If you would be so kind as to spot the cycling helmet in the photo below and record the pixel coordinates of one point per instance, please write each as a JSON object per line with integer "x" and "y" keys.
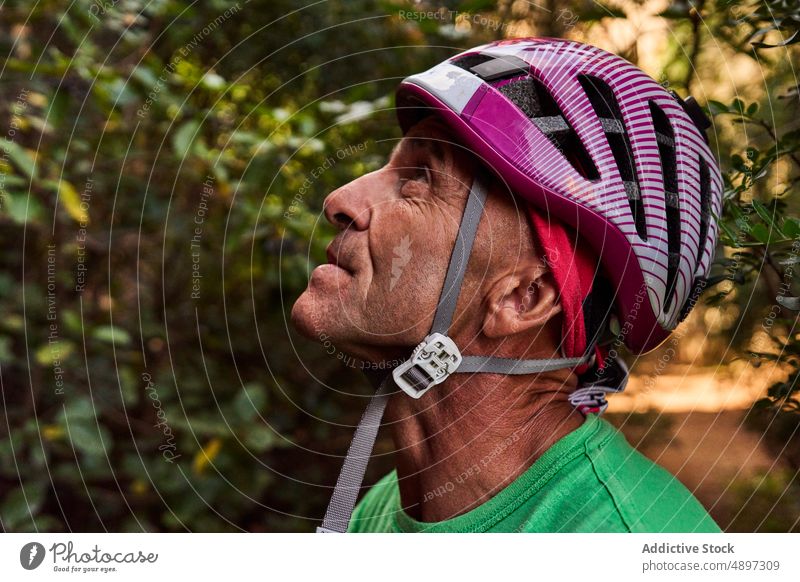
{"x": 599, "y": 145}
{"x": 588, "y": 141}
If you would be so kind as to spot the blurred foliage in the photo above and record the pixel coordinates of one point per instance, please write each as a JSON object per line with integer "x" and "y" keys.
{"x": 765, "y": 503}
{"x": 759, "y": 224}
{"x": 162, "y": 169}
{"x": 779, "y": 429}
{"x": 644, "y": 429}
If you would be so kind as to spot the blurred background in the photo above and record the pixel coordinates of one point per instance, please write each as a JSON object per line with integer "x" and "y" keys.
{"x": 162, "y": 168}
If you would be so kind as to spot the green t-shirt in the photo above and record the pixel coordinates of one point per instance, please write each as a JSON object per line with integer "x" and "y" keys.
{"x": 591, "y": 480}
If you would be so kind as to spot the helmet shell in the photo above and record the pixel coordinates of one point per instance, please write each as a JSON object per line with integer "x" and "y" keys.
{"x": 521, "y": 154}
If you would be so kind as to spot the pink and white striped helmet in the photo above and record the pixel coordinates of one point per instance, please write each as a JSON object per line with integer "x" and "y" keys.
{"x": 594, "y": 142}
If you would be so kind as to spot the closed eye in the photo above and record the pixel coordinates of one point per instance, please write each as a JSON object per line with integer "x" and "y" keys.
{"x": 420, "y": 173}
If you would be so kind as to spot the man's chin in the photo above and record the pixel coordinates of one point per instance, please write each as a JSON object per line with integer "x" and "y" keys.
{"x": 312, "y": 317}
{"x": 310, "y": 320}
{"x": 303, "y": 317}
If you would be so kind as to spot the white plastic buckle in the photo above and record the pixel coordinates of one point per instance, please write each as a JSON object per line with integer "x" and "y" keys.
{"x": 430, "y": 364}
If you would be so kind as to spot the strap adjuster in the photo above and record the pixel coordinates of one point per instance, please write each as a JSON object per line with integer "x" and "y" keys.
{"x": 590, "y": 396}
{"x": 431, "y": 362}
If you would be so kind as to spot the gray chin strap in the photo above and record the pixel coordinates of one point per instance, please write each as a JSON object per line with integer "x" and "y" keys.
{"x": 431, "y": 363}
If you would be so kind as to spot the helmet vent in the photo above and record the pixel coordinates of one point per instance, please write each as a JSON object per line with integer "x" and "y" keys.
{"x": 473, "y": 60}
{"x": 502, "y": 67}
{"x": 536, "y": 102}
{"x": 607, "y": 109}
{"x": 665, "y": 137}
{"x": 705, "y": 207}
{"x": 522, "y": 93}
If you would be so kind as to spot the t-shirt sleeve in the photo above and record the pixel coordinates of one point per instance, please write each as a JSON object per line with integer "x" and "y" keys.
{"x": 648, "y": 497}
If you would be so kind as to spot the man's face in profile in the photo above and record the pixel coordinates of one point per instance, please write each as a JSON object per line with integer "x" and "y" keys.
{"x": 386, "y": 266}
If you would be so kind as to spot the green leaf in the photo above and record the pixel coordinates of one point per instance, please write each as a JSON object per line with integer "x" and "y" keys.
{"x": 129, "y": 386}
{"x": 6, "y": 355}
{"x": 213, "y": 81}
{"x": 72, "y": 321}
{"x": 51, "y": 353}
{"x": 249, "y": 401}
{"x": 90, "y": 438}
{"x": 22, "y": 208}
{"x": 791, "y": 303}
{"x": 791, "y": 139}
{"x": 477, "y": 5}
{"x": 676, "y": 11}
{"x": 145, "y": 76}
{"x": 765, "y": 214}
{"x": 791, "y": 227}
{"x": 760, "y": 233}
{"x": 595, "y": 12}
{"x": 259, "y": 438}
{"x": 201, "y": 426}
{"x": 20, "y": 506}
{"x": 71, "y": 201}
{"x": 715, "y": 107}
{"x": 763, "y": 403}
{"x": 112, "y": 335}
{"x": 59, "y": 105}
{"x": 80, "y": 408}
{"x": 786, "y": 42}
{"x": 12, "y": 181}
{"x": 120, "y": 92}
{"x": 21, "y": 157}
{"x": 184, "y": 137}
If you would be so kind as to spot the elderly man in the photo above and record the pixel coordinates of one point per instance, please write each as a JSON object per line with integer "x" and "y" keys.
{"x": 549, "y": 195}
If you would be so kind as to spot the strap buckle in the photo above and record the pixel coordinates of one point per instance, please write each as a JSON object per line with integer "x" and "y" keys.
{"x": 431, "y": 362}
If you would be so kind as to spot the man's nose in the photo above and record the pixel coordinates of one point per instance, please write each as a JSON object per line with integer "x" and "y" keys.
{"x": 351, "y": 205}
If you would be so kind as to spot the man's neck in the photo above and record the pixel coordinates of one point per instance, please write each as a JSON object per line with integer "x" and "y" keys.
{"x": 470, "y": 437}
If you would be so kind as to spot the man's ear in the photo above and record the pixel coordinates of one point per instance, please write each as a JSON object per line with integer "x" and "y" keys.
{"x": 522, "y": 300}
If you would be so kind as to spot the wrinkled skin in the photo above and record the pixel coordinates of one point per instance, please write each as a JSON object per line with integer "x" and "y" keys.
{"x": 377, "y": 295}
{"x": 376, "y": 300}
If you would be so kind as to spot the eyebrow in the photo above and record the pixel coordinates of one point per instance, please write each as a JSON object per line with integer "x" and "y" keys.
{"x": 433, "y": 146}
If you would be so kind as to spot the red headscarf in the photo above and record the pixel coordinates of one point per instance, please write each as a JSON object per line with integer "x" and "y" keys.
{"x": 573, "y": 266}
